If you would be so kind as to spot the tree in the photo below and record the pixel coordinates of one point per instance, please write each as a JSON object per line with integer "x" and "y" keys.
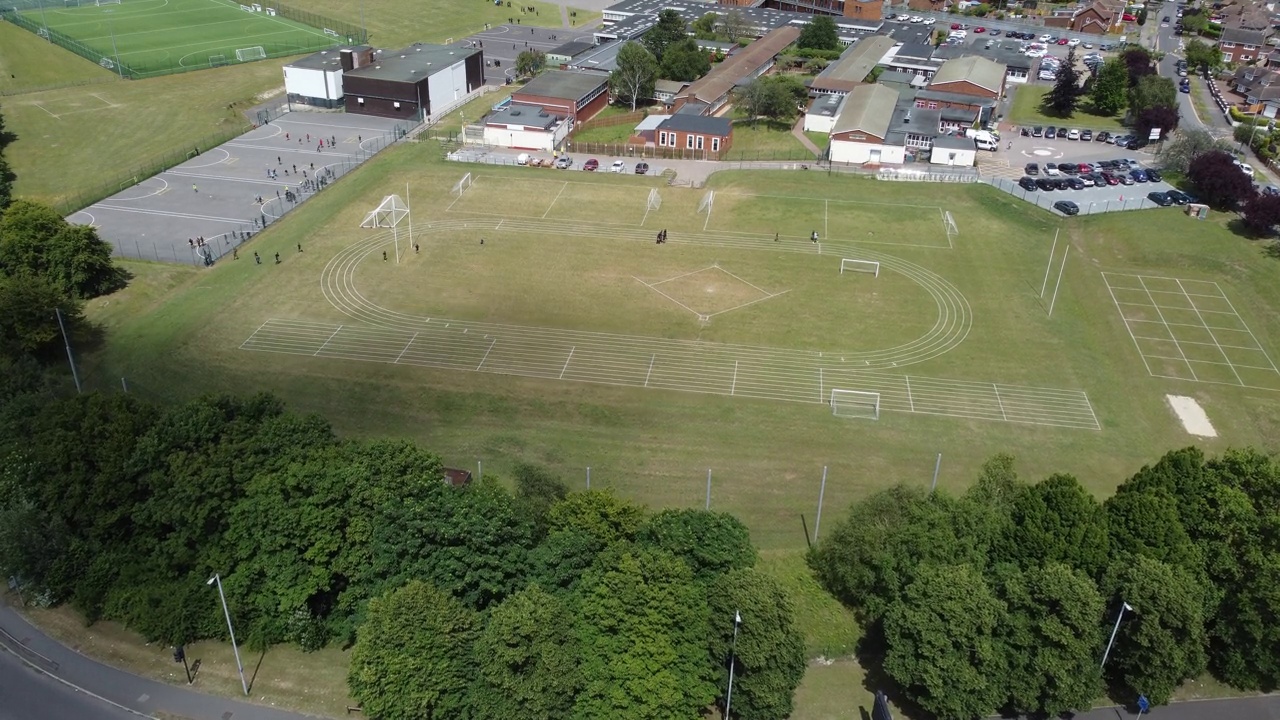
{"x": 668, "y": 29}
{"x": 772, "y": 96}
{"x": 1147, "y": 523}
{"x": 710, "y": 543}
{"x": 683, "y": 60}
{"x": 1142, "y": 17}
{"x": 411, "y": 657}
{"x": 643, "y": 631}
{"x": 1137, "y": 60}
{"x": 1062, "y": 99}
{"x": 530, "y": 62}
{"x": 734, "y": 27}
{"x": 1110, "y": 88}
{"x": 537, "y": 490}
{"x": 36, "y": 241}
{"x": 1186, "y": 145}
{"x": 28, "y": 323}
{"x": 1052, "y": 639}
{"x": 769, "y": 661}
{"x": 1219, "y": 181}
{"x": 1200, "y": 54}
{"x": 579, "y": 529}
{"x": 1152, "y": 91}
{"x": 1163, "y": 117}
{"x": 633, "y": 79}
{"x": 1194, "y": 22}
{"x": 878, "y": 549}
{"x": 704, "y": 28}
{"x": 6, "y": 175}
{"x": 1056, "y": 520}
{"x": 942, "y": 649}
{"x": 526, "y": 659}
{"x": 820, "y": 34}
{"x": 1162, "y": 641}
{"x": 1262, "y": 214}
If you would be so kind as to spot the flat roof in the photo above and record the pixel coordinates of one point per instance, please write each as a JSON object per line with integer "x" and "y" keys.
{"x": 572, "y": 48}
{"x": 951, "y": 142}
{"x": 527, "y": 115}
{"x": 564, "y": 84}
{"x": 413, "y": 63}
{"x": 326, "y": 59}
{"x": 603, "y": 58}
{"x": 826, "y": 105}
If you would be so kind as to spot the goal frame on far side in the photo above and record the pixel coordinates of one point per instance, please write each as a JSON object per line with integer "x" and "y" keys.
{"x": 855, "y": 404}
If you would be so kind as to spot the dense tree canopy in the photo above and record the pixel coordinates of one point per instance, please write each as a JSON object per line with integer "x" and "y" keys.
{"x": 37, "y": 242}
{"x": 819, "y": 34}
{"x": 1219, "y": 181}
{"x": 633, "y": 79}
{"x": 526, "y": 659}
{"x": 6, "y": 175}
{"x": 1110, "y": 89}
{"x": 683, "y": 60}
{"x": 669, "y": 29}
{"x": 1187, "y": 145}
{"x": 1261, "y": 214}
{"x": 1062, "y": 99}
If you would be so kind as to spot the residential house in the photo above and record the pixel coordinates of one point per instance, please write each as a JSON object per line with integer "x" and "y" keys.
{"x": 1242, "y": 46}
{"x": 860, "y": 132}
{"x": 710, "y": 93}
{"x": 853, "y": 67}
{"x": 1098, "y": 17}
{"x": 697, "y": 136}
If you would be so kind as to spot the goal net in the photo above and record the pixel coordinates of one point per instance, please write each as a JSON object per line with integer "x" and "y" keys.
{"x": 866, "y": 266}
{"x": 251, "y": 53}
{"x": 462, "y": 185}
{"x": 388, "y": 214}
{"x": 950, "y": 224}
{"x": 100, "y": 3}
{"x": 855, "y": 404}
{"x": 217, "y": 60}
{"x": 655, "y": 200}
{"x": 707, "y": 201}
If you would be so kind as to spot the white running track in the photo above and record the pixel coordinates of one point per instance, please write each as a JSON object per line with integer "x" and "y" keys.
{"x": 383, "y": 335}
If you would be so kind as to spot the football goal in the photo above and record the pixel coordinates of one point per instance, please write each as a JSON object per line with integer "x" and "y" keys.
{"x": 217, "y": 60}
{"x": 251, "y": 53}
{"x": 950, "y": 224}
{"x": 855, "y": 404}
{"x": 707, "y": 201}
{"x": 462, "y": 185}
{"x": 100, "y": 3}
{"x": 388, "y": 214}
{"x": 866, "y": 266}
{"x": 655, "y": 200}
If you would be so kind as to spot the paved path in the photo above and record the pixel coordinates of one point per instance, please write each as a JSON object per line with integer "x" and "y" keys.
{"x": 798, "y": 131}
{"x": 56, "y": 682}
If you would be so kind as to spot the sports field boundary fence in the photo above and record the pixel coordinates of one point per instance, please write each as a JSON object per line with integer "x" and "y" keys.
{"x": 336, "y": 33}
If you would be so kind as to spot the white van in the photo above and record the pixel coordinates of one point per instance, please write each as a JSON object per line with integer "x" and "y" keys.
{"x": 986, "y": 143}
{"x": 522, "y": 159}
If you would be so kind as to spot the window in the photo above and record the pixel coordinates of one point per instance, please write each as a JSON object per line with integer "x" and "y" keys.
{"x": 920, "y": 104}
{"x": 662, "y": 138}
{"x": 933, "y": 105}
{"x": 715, "y": 144}
{"x": 1228, "y": 44}
{"x": 699, "y": 142}
{"x": 689, "y": 141}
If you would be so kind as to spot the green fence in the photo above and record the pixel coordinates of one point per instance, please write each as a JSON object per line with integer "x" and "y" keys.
{"x": 336, "y": 33}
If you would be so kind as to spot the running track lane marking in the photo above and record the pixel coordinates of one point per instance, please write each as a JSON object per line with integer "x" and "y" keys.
{"x": 326, "y": 342}
{"x": 406, "y": 347}
{"x": 646, "y": 375}
{"x": 566, "y": 361}
{"x": 486, "y": 353}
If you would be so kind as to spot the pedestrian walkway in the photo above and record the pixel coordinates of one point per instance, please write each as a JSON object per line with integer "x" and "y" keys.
{"x": 798, "y": 131}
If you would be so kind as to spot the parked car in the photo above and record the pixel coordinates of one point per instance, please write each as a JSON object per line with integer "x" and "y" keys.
{"x": 1027, "y": 183}
{"x": 1124, "y": 179}
{"x": 591, "y": 165}
{"x": 1086, "y": 135}
{"x": 1032, "y": 169}
{"x": 618, "y": 166}
{"x": 1046, "y": 184}
{"x": 1103, "y": 136}
{"x": 1050, "y": 132}
{"x": 1073, "y": 42}
{"x": 1154, "y": 175}
{"x": 1085, "y": 167}
{"x": 1110, "y": 178}
{"x": 1073, "y": 134}
{"x": 955, "y": 26}
{"x": 979, "y": 29}
{"x": 1046, "y": 38}
{"x": 930, "y": 21}
{"x": 1245, "y": 168}
{"x": 642, "y": 168}
{"x": 1037, "y": 131}
{"x": 1178, "y": 198}
{"x": 564, "y": 162}
{"x": 1066, "y": 207}
{"x": 1075, "y": 183}
{"x": 1138, "y": 175}
{"x": 1051, "y": 169}
{"x": 1063, "y": 41}
{"x": 993, "y": 32}
{"x": 1160, "y": 198}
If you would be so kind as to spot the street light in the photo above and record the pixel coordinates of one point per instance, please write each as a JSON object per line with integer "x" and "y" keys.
{"x": 218, "y": 579}
{"x": 733, "y": 649}
{"x": 1123, "y": 606}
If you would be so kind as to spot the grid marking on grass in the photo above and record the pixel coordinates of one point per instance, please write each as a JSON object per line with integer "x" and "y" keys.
{"x": 687, "y": 366}
{"x": 1181, "y": 300}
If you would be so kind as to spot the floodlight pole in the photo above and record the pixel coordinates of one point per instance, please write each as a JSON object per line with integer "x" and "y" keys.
{"x": 1123, "y": 606}
{"x": 217, "y": 578}
{"x": 116, "y": 52}
{"x": 733, "y": 651}
{"x": 708, "y": 488}
{"x": 937, "y": 465}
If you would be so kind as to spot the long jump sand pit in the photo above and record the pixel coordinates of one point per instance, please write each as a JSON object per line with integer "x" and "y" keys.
{"x": 1194, "y": 420}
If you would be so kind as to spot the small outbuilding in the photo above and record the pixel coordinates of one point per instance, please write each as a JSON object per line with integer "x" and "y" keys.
{"x": 954, "y": 151}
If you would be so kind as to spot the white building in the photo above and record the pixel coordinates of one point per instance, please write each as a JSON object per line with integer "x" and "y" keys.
{"x": 822, "y": 113}
{"x": 317, "y": 79}
{"x": 859, "y": 134}
{"x": 526, "y": 127}
{"x": 953, "y": 151}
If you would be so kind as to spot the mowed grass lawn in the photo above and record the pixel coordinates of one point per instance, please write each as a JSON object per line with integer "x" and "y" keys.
{"x": 29, "y": 63}
{"x": 397, "y": 23}
{"x": 656, "y": 446}
{"x": 74, "y": 139}
{"x": 1028, "y": 110}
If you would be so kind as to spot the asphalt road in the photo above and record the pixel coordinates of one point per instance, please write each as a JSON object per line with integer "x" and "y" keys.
{"x": 28, "y": 695}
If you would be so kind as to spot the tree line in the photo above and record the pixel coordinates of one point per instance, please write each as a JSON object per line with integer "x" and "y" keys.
{"x": 471, "y": 601}
{"x": 1003, "y": 599}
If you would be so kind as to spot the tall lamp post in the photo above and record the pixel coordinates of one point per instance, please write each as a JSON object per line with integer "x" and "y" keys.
{"x": 1123, "y": 607}
{"x": 218, "y": 580}
{"x": 733, "y": 649}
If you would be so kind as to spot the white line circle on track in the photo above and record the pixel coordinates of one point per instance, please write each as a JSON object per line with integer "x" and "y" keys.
{"x": 149, "y": 182}
{"x": 225, "y": 157}
{"x": 951, "y": 327}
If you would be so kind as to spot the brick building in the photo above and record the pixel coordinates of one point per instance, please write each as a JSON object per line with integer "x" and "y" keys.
{"x": 575, "y": 95}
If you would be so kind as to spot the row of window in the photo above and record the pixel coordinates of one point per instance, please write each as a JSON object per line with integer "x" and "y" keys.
{"x": 1246, "y": 46}
{"x": 692, "y": 142}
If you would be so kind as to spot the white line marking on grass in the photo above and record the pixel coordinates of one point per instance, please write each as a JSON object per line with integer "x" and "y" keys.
{"x": 55, "y": 117}
{"x": 1211, "y": 335}
{"x": 910, "y": 401}
{"x": 1175, "y": 338}
{"x": 1246, "y": 329}
{"x": 999, "y": 401}
{"x": 822, "y": 391}
{"x": 746, "y": 304}
{"x": 486, "y": 353}
{"x": 686, "y": 307}
{"x": 652, "y": 358}
{"x": 255, "y": 334}
{"x": 1129, "y": 329}
{"x": 406, "y": 347}
{"x": 826, "y": 218}
{"x": 566, "y": 361}
{"x": 326, "y": 342}
{"x": 684, "y": 275}
{"x": 744, "y": 282}
{"x": 553, "y": 201}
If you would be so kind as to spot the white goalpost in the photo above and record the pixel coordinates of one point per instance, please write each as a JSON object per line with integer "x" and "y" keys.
{"x": 855, "y": 404}
{"x": 949, "y": 223}
{"x": 461, "y": 186}
{"x": 866, "y": 266}
{"x": 251, "y": 53}
{"x": 708, "y": 201}
{"x": 388, "y": 214}
{"x": 655, "y": 200}
{"x": 100, "y": 3}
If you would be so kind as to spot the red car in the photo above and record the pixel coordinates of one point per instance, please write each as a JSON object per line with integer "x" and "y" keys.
{"x": 592, "y": 165}
{"x": 1111, "y": 179}
{"x": 979, "y": 29}
{"x": 955, "y": 26}
{"x": 1086, "y": 168}
{"x": 1063, "y": 41}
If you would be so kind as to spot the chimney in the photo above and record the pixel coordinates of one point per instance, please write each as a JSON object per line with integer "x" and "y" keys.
{"x": 348, "y": 60}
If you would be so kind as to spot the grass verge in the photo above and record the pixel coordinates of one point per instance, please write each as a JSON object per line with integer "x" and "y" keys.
{"x": 1028, "y": 109}
{"x": 28, "y": 63}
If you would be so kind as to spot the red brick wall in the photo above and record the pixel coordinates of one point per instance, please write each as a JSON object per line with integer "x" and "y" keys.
{"x": 965, "y": 88}
{"x": 682, "y": 142}
{"x": 863, "y": 10}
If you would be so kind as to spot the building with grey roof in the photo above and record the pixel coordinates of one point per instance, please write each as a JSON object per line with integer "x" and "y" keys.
{"x": 854, "y": 65}
{"x": 860, "y": 132}
{"x": 316, "y": 79}
{"x": 416, "y": 82}
{"x": 602, "y": 58}
{"x": 822, "y": 113}
{"x": 565, "y": 54}
{"x": 576, "y": 95}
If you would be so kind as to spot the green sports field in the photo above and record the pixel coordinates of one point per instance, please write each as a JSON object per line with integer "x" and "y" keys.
{"x": 151, "y": 37}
